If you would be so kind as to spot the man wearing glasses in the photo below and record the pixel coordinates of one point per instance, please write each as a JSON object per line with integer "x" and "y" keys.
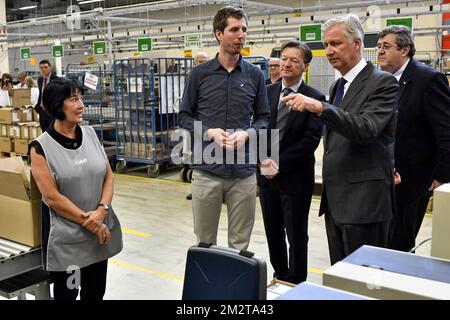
{"x": 422, "y": 139}
{"x": 274, "y": 71}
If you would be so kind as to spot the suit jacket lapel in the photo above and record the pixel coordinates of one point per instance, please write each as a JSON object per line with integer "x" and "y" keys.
{"x": 356, "y": 86}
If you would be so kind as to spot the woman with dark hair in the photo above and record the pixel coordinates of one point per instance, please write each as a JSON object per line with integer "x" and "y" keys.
{"x": 79, "y": 228}
{"x": 6, "y": 82}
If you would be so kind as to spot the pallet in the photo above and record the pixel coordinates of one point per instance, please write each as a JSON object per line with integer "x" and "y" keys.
{"x": 12, "y": 154}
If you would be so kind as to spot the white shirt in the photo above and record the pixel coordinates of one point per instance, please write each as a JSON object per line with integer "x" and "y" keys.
{"x": 399, "y": 72}
{"x": 34, "y": 96}
{"x": 293, "y": 88}
{"x": 353, "y": 73}
{"x": 19, "y": 86}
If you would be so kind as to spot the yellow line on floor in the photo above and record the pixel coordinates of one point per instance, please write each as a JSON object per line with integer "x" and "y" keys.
{"x": 315, "y": 270}
{"x": 136, "y": 233}
{"x": 146, "y": 270}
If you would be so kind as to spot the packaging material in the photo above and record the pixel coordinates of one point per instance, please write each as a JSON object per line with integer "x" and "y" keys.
{"x": 21, "y": 97}
{"x": 14, "y": 131}
{"x": 34, "y": 130}
{"x": 24, "y": 130}
{"x": 440, "y": 243}
{"x": 20, "y": 202}
{"x": 26, "y": 114}
{"x": 6, "y": 145}
{"x": 4, "y": 130}
{"x": 9, "y": 115}
{"x": 145, "y": 151}
{"x": 21, "y": 146}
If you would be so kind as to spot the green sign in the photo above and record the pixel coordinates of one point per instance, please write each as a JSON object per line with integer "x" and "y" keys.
{"x": 399, "y": 21}
{"x": 193, "y": 40}
{"x": 144, "y": 44}
{"x": 99, "y": 48}
{"x": 25, "y": 53}
{"x": 311, "y": 33}
{"x": 57, "y": 51}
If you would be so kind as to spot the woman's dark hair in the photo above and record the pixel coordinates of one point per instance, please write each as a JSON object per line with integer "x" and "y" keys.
{"x": 56, "y": 92}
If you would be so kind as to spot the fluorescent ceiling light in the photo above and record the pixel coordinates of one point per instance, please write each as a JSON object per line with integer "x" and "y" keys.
{"x": 89, "y": 1}
{"x": 28, "y": 7}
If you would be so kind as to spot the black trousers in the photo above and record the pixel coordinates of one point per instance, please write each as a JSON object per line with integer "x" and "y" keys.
{"x": 92, "y": 283}
{"x": 343, "y": 239}
{"x": 283, "y": 214}
{"x": 406, "y": 223}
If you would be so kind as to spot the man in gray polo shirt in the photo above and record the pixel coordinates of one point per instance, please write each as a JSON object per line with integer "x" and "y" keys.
{"x": 227, "y": 95}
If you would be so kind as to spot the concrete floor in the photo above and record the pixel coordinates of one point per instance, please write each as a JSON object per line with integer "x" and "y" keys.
{"x": 158, "y": 230}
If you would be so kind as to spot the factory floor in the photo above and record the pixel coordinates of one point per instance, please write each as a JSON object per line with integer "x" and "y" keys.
{"x": 157, "y": 228}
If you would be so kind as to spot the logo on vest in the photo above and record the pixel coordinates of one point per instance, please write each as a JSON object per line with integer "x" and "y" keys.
{"x": 80, "y": 162}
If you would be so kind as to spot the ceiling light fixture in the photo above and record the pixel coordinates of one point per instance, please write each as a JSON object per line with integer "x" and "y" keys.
{"x": 28, "y": 7}
{"x": 89, "y": 1}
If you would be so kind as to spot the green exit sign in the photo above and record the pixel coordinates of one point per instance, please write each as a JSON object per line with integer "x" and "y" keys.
{"x": 25, "y": 53}
{"x": 57, "y": 51}
{"x": 405, "y": 21}
{"x": 311, "y": 33}
{"x": 99, "y": 48}
{"x": 144, "y": 44}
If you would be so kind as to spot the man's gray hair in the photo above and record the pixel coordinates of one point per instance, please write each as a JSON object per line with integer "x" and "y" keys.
{"x": 353, "y": 28}
{"x": 403, "y": 37}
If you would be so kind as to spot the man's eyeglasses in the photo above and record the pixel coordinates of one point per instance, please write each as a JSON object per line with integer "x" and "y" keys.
{"x": 385, "y": 47}
{"x": 273, "y": 65}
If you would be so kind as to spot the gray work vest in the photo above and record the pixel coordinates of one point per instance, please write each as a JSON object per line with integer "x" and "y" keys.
{"x": 79, "y": 175}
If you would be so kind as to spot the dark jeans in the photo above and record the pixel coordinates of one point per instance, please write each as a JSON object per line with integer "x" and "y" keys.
{"x": 92, "y": 283}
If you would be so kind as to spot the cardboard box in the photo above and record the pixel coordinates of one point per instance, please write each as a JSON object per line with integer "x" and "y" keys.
{"x": 34, "y": 130}
{"x": 20, "y": 203}
{"x": 14, "y": 131}
{"x": 9, "y": 115}
{"x": 26, "y": 114}
{"x": 440, "y": 243}
{"x": 21, "y": 146}
{"x": 21, "y": 97}
{"x": 6, "y": 145}
{"x": 24, "y": 130}
{"x": 4, "y": 130}
{"x": 143, "y": 151}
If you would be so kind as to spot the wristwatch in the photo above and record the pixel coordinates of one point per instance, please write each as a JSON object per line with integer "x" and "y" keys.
{"x": 104, "y": 205}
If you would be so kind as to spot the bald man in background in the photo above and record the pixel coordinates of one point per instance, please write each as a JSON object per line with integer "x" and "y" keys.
{"x": 200, "y": 57}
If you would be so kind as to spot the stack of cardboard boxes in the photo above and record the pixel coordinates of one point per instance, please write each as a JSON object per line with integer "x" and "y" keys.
{"x": 18, "y": 123}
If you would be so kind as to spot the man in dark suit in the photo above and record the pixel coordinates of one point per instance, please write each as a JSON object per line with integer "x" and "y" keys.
{"x": 285, "y": 194}
{"x": 358, "y": 163}
{"x": 45, "y": 119}
{"x": 422, "y": 138}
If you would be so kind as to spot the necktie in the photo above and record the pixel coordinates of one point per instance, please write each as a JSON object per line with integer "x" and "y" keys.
{"x": 339, "y": 92}
{"x": 43, "y": 86}
{"x": 283, "y": 112}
